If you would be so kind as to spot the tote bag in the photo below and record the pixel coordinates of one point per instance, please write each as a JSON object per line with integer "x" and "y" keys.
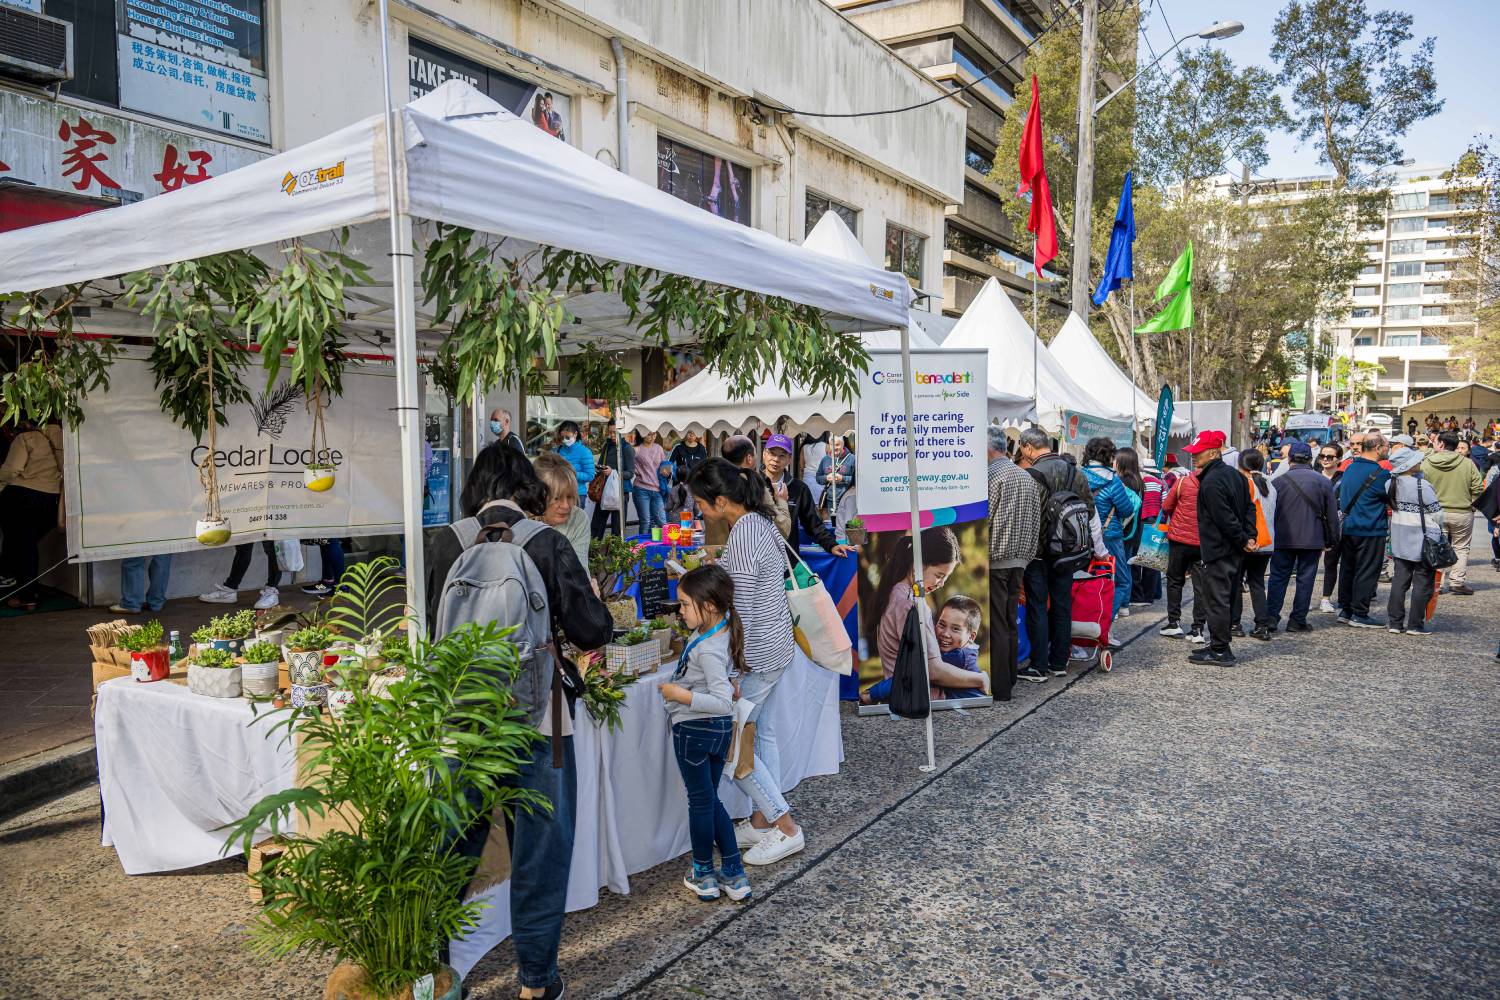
{"x": 910, "y": 696}
{"x": 1154, "y": 548}
{"x": 816, "y": 624}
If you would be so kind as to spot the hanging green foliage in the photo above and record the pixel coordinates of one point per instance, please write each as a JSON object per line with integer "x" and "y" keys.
{"x": 600, "y": 375}
{"x": 54, "y": 378}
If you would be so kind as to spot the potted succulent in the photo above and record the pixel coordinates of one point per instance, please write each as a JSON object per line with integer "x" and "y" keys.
{"x": 381, "y": 891}
{"x": 854, "y": 531}
{"x": 307, "y": 652}
{"x": 227, "y": 632}
{"x": 634, "y": 653}
{"x": 260, "y": 675}
{"x": 615, "y": 565}
{"x": 661, "y": 631}
{"x": 214, "y": 673}
{"x": 150, "y": 660}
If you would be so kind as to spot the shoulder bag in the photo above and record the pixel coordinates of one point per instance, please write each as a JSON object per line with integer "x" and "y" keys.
{"x": 816, "y": 624}
{"x": 1437, "y": 553}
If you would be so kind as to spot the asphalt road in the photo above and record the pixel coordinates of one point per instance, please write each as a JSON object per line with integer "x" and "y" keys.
{"x": 1320, "y": 821}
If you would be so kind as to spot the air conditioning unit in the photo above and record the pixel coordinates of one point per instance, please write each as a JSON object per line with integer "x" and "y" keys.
{"x": 34, "y": 47}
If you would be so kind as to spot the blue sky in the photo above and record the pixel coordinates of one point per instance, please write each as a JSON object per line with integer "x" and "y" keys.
{"x": 1468, "y": 44}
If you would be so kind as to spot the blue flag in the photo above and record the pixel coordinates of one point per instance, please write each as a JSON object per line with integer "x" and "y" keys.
{"x": 1163, "y": 427}
{"x": 1118, "y": 263}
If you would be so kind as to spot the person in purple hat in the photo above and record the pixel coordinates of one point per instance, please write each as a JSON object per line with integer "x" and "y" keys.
{"x": 796, "y": 513}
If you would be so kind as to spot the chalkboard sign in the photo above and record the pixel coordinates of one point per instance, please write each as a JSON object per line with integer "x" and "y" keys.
{"x": 654, "y": 592}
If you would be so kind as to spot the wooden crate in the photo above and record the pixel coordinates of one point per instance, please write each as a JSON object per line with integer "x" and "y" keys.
{"x": 262, "y": 854}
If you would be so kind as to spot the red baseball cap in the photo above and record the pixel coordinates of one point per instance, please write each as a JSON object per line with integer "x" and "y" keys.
{"x": 1205, "y": 441}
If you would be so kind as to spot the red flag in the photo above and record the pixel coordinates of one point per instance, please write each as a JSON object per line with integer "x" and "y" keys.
{"x": 1034, "y": 179}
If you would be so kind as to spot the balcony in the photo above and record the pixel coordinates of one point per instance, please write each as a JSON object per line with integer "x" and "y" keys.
{"x": 981, "y": 211}
{"x": 984, "y": 25}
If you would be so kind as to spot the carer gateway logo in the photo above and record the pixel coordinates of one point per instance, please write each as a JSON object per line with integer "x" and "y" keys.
{"x": 313, "y": 180}
{"x": 923, "y": 378}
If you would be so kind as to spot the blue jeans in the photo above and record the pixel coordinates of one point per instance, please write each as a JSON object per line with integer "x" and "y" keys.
{"x": 541, "y": 852}
{"x": 1286, "y": 563}
{"x": 701, "y": 746}
{"x": 134, "y": 593}
{"x": 763, "y": 784}
{"x": 1116, "y": 546}
{"x": 332, "y": 554}
{"x": 650, "y": 510}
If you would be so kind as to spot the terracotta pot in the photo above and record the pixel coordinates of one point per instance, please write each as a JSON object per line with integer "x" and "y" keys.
{"x": 213, "y": 531}
{"x": 317, "y": 480}
{"x": 152, "y": 665}
{"x": 349, "y": 982}
{"x": 214, "y": 682}
{"x": 260, "y": 680}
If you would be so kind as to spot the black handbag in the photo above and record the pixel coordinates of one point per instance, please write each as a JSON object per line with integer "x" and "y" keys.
{"x": 1437, "y": 553}
{"x": 910, "y": 696}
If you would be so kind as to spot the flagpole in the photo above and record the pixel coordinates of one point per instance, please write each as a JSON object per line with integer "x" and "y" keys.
{"x": 1036, "y": 406}
{"x": 1135, "y": 419}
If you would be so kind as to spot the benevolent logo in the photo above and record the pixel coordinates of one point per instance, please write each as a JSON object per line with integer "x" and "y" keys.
{"x": 924, "y": 378}
{"x": 313, "y": 180}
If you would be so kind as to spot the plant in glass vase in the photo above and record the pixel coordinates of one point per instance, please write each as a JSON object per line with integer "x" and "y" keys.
{"x": 405, "y": 776}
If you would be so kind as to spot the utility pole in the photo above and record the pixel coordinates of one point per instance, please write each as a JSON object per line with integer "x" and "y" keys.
{"x": 1083, "y": 198}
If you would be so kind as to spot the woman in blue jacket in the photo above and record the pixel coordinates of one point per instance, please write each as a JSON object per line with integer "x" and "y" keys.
{"x": 1117, "y": 506}
{"x": 571, "y": 447}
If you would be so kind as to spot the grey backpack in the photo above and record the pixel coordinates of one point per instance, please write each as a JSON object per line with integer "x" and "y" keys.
{"x": 494, "y": 580}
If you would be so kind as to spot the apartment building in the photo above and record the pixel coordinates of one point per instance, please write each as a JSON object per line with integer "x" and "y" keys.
{"x": 956, "y": 42}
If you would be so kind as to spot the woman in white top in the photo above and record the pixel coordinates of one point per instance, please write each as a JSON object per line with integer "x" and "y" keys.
{"x": 814, "y": 450}
{"x": 756, "y": 559}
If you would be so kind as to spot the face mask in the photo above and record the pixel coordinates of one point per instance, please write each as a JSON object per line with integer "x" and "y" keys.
{"x": 568, "y": 439}
{"x": 495, "y": 428}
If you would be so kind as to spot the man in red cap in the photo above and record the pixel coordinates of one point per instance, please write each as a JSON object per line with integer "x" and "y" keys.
{"x": 1226, "y": 531}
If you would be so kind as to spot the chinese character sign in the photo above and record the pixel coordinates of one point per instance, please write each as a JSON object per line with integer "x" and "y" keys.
{"x": 175, "y": 174}
{"x": 83, "y": 160}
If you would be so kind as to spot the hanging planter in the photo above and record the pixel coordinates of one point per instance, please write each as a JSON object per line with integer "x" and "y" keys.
{"x": 212, "y": 530}
{"x": 318, "y": 475}
{"x": 318, "y": 478}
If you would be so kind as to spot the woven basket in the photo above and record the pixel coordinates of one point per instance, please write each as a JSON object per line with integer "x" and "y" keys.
{"x": 641, "y": 658}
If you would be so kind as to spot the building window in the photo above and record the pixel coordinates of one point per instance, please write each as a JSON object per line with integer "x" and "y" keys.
{"x": 1364, "y": 312}
{"x": 1369, "y": 270}
{"x": 1365, "y": 340}
{"x": 970, "y": 245}
{"x": 1409, "y": 202}
{"x": 429, "y": 66}
{"x": 1401, "y": 340}
{"x": 903, "y": 252}
{"x": 818, "y": 206}
{"x": 1437, "y": 223}
{"x": 977, "y": 160}
{"x": 711, "y": 182}
{"x": 1402, "y": 247}
{"x": 1436, "y": 244}
{"x": 1437, "y": 289}
{"x": 1372, "y": 248}
{"x": 1406, "y": 269}
{"x": 1403, "y": 312}
{"x": 1365, "y": 291}
{"x": 1439, "y": 203}
{"x": 1436, "y": 267}
{"x": 1403, "y": 290}
{"x": 1434, "y": 310}
{"x": 1414, "y": 224}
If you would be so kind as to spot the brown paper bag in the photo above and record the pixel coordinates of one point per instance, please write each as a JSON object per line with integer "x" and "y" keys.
{"x": 494, "y": 863}
{"x": 745, "y": 762}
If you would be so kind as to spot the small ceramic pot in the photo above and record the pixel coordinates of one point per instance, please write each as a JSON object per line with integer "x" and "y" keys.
{"x": 663, "y": 637}
{"x": 338, "y": 700}
{"x": 213, "y": 531}
{"x": 234, "y": 647}
{"x": 305, "y": 667}
{"x": 214, "y": 682}
{"x": 856, "y": 536}
{"x": 273, "y": 636}
{"x": 152, "y": 665}
{"x": 260, "y": 680}
{"x": 309, "y": 694}
{"x": 317, "y": 480}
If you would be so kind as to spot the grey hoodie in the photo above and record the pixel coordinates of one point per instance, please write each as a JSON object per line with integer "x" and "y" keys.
{"x": 705, "y": 672}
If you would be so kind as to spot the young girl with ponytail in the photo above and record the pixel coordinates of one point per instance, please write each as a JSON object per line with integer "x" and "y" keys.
{"x": 700, "y": 703}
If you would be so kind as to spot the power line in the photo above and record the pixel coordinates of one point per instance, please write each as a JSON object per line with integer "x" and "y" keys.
{"x": 941, "y": 97}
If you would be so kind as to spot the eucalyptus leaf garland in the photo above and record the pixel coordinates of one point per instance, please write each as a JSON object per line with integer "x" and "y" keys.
{"x": 51, "y": 383}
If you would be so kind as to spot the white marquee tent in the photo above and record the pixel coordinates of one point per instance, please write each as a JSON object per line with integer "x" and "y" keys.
{"x": 1087, "y": 362}
{"x": 992, "y": 321}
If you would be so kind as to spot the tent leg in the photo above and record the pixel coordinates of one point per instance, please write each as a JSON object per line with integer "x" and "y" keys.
{"x": 916, "y": 512}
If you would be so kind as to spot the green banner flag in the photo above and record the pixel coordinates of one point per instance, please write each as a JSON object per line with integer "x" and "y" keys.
{"x": 1178, "y": 315}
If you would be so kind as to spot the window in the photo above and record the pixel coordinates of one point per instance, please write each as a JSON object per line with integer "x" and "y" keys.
{"x": 1403, "y": 312}
{"x": 903, "y": 252}
{"x": 817, "y": 206}
{"x": 1406, "y": 269}
{"x": 1401, "y": 340}
{"x": 1372, "y": 248}
{"x": 1403, "y": 290}
{"x": 1437, "y": 289}
{"x": 1434, "y": 310}
{"x": 1414, "y": 224}
{"x": 1409, "y": 202}
{"x": 429, "y": 66}
{"x": 1439, "y": 203}
{"x": 1402, "y": 247}
{"x": 1435, "y": 267}
{"x": 1437, "y": 244}
{"x": 977, "y": 160}
{"x": 1365, "y": 291}
{"x": 969, "y": 244}
{"x": 1369, "y": 270}
{"x": 1365, "y": 340}
{"x": 1364, "y": 312}
{"x": 1437, "y": 223}
{"x": 711, "y": 182}
{"x": 989, "y": 83}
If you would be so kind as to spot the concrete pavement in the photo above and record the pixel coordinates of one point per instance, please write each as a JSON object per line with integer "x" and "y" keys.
{"x": 1318, "y": 822}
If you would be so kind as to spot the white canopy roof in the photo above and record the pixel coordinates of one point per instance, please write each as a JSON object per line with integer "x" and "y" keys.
{"x": 468, "y": 162}
{"x": 1076, "y": 348}
{"x": 702, "y": 403}
{"x": 993, "y": 321}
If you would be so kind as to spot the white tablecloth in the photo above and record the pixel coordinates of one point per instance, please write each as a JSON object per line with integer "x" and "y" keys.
{"x": 174, "y": 766}
{"x": 637, "y": 817}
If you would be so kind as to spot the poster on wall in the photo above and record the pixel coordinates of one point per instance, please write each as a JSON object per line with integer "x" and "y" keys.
{"x": 949, "y": 407}
{"x": 132, "y": 475}
{"x": 435, "y": 495}
{"x": 711, "y": 182}
{"x": 430, "y": 66}
{"x": 199, "y": 62}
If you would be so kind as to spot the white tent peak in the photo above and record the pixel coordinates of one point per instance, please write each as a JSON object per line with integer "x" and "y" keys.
{"x": 457, "y": 99}
{"x": 992, "y": 321}
{"x": 832, "y": 238}
{"x": 1080, "y": 352}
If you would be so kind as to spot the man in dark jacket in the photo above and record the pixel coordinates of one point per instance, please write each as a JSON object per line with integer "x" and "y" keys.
{"x": 793, "y": 494}
{"x": 1307, "y": 525}
{"x": 1226, "y": 531}
{"x": 1366, "y": 523}
{"x": 610, "y": 519}
{"x": 1049, "y": 589}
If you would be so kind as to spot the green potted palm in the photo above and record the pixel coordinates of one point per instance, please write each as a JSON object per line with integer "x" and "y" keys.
{"x": 214, "y": 673}
{"x": 382, "y": 889}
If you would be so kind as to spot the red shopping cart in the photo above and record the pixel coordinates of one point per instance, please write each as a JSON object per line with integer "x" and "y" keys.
{"x": 1093, "y": 608}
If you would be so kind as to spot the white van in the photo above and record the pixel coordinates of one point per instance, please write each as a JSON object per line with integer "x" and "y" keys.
{"x": 1315, "y": 428}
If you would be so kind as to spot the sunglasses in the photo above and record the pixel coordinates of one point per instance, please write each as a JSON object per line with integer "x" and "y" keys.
{"x": 1328, "y": 457}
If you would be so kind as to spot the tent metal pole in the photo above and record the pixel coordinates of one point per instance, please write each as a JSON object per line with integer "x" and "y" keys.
{"x": 403, "y": 292}
{"x": 916, "y": 514}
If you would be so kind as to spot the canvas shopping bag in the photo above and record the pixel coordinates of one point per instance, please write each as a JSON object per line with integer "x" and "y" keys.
{"x": 1153, "y": 550}
{"x": 816, "y": 624}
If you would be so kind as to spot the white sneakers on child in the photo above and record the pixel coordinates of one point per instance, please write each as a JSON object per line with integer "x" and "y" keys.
{"x": 747, "y": 835}
{"x": 774, "y": 846}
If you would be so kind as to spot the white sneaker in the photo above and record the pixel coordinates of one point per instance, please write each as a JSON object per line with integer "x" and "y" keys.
{"x": 775, "y": 846}
{"x": 1197, "y": 637}
{"x": 220, "y": 595}
{"x": 1172, "y": 632}
{"x": 1124, "y": 612}
{"x": 269, "y": 598}
{"x": 1327, "y": 607}
{"x": 747, "y": 836}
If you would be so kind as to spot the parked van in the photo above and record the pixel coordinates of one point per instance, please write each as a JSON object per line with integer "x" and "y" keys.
{"x": 1315, "y": 428}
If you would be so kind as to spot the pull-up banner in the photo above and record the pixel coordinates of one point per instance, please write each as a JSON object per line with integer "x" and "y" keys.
{"x": 132, "y": 483}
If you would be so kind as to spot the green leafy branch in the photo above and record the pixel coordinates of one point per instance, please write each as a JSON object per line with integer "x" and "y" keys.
{"x": 54, "y": 379}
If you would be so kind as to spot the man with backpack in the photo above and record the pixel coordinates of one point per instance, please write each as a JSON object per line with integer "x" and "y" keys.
{"x": 1065, "y": 545}
{"x": 1307, "y": 525}
{"x": 1226, "y": 531}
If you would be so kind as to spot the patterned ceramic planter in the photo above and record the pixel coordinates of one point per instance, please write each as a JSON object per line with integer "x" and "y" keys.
{"x": 260, "y": 680}
{"x": 305, "y": 668}
{"x": 338, "y": 700}
{"x": 309, "y": 694}
{"x": 152, "y": 665}
{"x": 234, "y": 647}
{"x": 214, "y": 682}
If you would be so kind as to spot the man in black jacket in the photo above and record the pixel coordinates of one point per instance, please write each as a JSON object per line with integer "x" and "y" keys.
{"x": 805, "y": 522}
{"x": 1307, "y": 525}
{"x": 1226, "y": 531}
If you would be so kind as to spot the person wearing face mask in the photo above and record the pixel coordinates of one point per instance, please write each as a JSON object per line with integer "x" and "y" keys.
{"x": 500, "y": 428}
{"x": 578, "y": 455}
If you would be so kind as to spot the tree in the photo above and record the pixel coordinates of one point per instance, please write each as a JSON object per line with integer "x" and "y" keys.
{"x": 1355, "y": 90}
{"x": 1475, "y": 351}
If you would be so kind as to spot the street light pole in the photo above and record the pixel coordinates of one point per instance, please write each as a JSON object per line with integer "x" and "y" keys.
{"x": 1083, "y": 196}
